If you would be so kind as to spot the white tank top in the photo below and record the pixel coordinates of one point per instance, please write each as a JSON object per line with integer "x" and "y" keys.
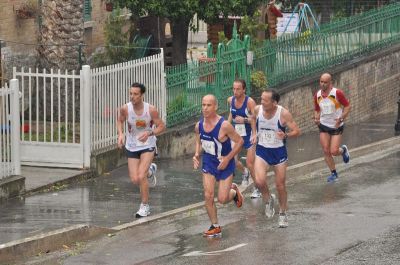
{"x": 136, "y": 126}
{"x": 330, "y": 108}
{"x": 267, "y": 128}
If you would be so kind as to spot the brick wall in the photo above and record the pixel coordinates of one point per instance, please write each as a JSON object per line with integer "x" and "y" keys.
{"x": 13, "y": 28}
{"x": 94, "y": 30}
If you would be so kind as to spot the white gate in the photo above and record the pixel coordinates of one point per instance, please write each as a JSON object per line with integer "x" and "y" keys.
{"x": 66, "y": 116}
{"x": 110, "y": 90}
{"x": 9, "y": 131}
{"x": 51, "y": 115}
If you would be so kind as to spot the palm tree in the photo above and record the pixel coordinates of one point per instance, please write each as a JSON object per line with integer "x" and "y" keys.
{"x": 61, "y": 32}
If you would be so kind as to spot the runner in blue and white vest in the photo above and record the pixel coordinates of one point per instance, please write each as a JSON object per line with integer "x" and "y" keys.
{"x": 241, "y": 109}
{"x": 272, "y": 122}
{"x": 213, "y": 141}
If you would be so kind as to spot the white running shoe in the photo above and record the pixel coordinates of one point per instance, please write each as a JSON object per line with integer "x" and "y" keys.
{"x": 143, "y": 211}
{"x": 270, "y": 207}
{"x": 245, "y": 177}
{"x": 151, "y": 177}
{"x": 283, "y": 220}
{"x": 255, "y": 194}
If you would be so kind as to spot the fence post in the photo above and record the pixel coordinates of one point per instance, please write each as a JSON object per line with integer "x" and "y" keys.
{"x": 397, "y": 125}
{"x": 163, "y": 88}
{"x": 86, "y": 85}
{"x": 15, "y": 126}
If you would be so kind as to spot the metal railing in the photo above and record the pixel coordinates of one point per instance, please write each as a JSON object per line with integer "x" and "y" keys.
{"x": 188, "y": 83}
{"x": 110, "y": 90}
{"x": 9, "y": 131}
{"x": 294, "y": 56}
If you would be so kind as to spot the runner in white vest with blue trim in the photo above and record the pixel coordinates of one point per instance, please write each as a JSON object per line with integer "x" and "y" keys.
{"x": 144, "y": 124}
{"x": 272, "y": 121}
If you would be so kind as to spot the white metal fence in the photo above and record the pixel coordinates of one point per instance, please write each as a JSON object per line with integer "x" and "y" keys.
{"x": 68, "y": 116}
{"x": 9, "y": 131}
{"x": 110, "y": 90}
{"x": 51, "y": 114}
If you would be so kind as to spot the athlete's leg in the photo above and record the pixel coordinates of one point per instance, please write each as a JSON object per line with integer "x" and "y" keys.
{"x": 250, "y": 158}
{"x": 325, "y": 141}
{"x": 335, "y": 149}
{"x": 260, "y": 169}
{"x": 280, "y": 182}
{"x": 209, "y": 187}
{"x": 238, "y": 164}
{"x": 225, "y": 191}
{"x": 138, "y": 170}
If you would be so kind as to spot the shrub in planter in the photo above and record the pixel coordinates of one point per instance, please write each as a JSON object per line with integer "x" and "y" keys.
{"x": 258, "y": 82}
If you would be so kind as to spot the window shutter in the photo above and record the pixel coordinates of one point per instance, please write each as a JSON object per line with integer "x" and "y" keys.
{"x": 87, "y": 10}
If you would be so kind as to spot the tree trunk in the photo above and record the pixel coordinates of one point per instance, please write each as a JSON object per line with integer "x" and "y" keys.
{"x": 179, "y": 40}
{"x": 61, "y": 32}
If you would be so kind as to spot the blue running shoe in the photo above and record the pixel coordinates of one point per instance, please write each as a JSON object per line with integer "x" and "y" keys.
{"x": 332, "y": 178}
{"x": 345, "y": 154}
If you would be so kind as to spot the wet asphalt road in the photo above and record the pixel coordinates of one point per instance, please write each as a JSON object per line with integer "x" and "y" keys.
{"x": 111, "y": 200}
{"x": 354, "y": 221}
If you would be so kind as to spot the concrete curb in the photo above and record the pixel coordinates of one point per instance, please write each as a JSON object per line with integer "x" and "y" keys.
{"x": 73, "y": 179}
{"x": 46, "y": 242}
{"x": 56, "y": 239}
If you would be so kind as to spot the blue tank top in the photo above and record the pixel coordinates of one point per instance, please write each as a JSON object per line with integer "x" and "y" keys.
{"x": 242, "y": 112}
{"x": 212, "y": 147}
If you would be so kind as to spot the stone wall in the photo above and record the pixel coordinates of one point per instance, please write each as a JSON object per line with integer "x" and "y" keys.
{"x": 371, "y": 83}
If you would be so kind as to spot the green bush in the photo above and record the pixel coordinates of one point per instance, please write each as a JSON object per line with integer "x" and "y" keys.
{"x": 258, "y": 81}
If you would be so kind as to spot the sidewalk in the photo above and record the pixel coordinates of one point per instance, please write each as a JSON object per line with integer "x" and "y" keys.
{"x": 111, "y": 200}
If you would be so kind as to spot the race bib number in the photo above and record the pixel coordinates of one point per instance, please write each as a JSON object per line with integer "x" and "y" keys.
{"x": 208, "y": 147}
{"x": 327, "y": 108}
{"x": 267, "y": 137}
{"x": 240, "y": 129}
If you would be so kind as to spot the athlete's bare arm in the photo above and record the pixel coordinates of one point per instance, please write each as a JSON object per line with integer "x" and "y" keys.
{"x": 229, "y": 100}
{"x": 345, "y": 113}
{"x": 227, "y": 131}
{"x": 196, "y": 157}
{"x": 287, "y": 120}
{"x": 251, "y": 105}
{"x": 253, "y": 138}
{"x": 123, "y": 113}
{"x": 157, "y": 121}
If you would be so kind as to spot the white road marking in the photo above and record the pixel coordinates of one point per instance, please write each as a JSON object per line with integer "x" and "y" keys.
{"x": 211, "y": 253}
{"x": 375, "y": 130}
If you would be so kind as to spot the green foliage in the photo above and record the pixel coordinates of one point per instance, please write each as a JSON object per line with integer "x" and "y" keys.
{"x": 250, "y": 25}
{"x": 258, "y": 81}
{"x": 305, "y": 36}
{"x": 182, "y": 11}
{"x": 222, "y": 38}
{"x": 118, "y": 46}
{"x": 177, "y": 104}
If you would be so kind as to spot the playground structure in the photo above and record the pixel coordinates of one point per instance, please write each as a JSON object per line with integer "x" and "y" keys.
{"x": 305, "y": 15}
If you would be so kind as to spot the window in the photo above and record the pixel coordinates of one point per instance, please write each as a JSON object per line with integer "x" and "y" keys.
{"x": 87, "y": 10}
